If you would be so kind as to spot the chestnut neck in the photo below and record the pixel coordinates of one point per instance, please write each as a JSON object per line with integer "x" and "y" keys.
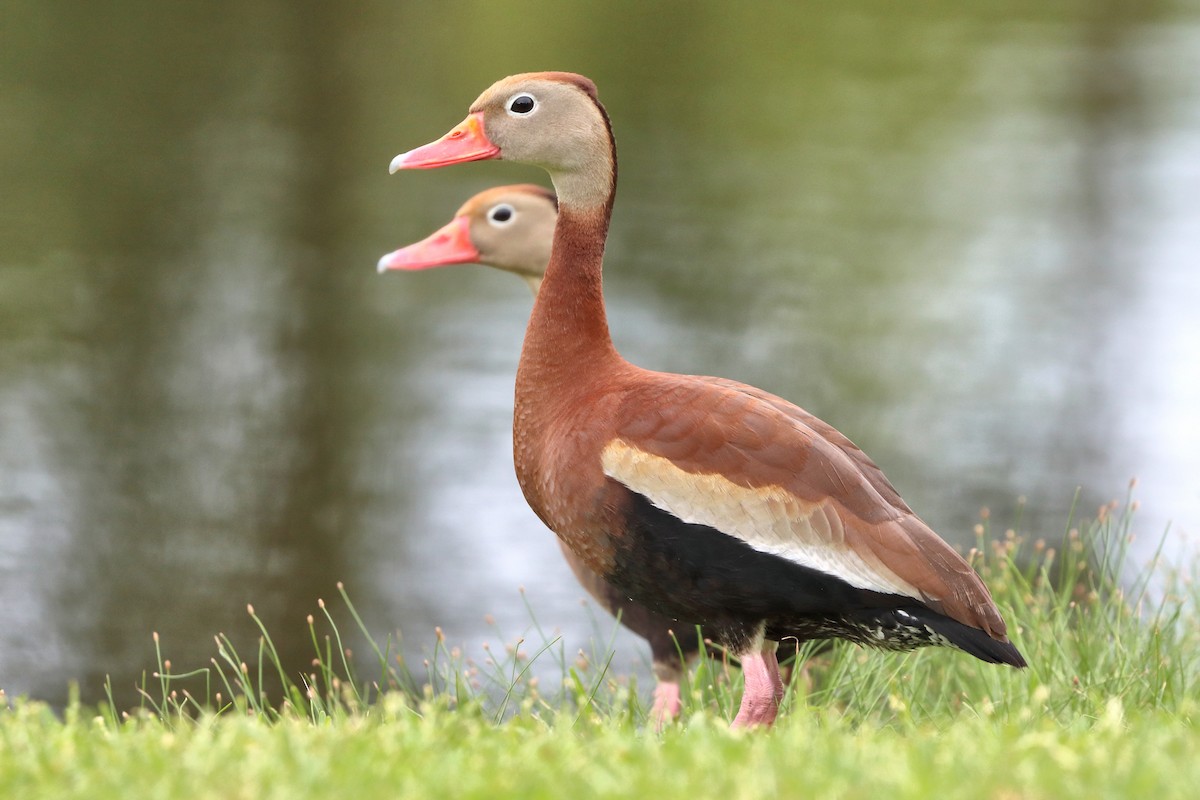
{"x": 567, "y": 339}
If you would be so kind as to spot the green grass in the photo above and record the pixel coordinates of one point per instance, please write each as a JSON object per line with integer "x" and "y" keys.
{"x": 1108, "y": 708}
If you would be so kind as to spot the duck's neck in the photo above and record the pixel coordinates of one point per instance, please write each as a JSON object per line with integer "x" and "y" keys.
{"x": 567, "y": 346}
{"x": 567, "y": 339}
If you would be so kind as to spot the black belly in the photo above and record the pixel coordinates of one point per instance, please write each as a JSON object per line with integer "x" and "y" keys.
{"x": 700, "y": 576}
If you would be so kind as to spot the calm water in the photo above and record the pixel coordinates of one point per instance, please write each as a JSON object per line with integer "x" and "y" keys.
{"x": 967, "y": 238}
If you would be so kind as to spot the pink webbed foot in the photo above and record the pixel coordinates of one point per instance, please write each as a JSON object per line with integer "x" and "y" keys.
{"x": 667, "y": 704}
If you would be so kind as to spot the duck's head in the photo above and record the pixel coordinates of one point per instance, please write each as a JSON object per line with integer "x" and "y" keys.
{"x": 549, "y": 119}
{"x": 509, "y": 227}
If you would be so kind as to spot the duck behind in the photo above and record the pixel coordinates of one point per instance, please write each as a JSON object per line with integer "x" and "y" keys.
{"x": 511, "y": 228}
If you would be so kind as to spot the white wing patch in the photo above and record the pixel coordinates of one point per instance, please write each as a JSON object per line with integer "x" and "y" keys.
{"x": 769, "y": 519}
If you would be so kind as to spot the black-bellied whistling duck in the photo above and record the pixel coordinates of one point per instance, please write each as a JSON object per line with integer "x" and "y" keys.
{"x": 708, "y": 500}
{"x": 508, "y": 227}
{"x": 511, "y": 228}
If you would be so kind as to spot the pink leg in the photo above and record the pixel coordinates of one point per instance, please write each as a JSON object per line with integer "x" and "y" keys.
{"x": 667, "y": 704}
{"x": 773, "y": 671}
{"x": 764, "y": 688}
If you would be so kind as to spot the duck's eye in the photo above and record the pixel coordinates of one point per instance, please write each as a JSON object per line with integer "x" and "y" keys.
{"x": 501, "y": 214}
{"x": 521, "y": 105}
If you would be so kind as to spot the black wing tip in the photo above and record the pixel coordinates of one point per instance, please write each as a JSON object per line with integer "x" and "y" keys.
{"x": 997, "y": 652}
{"x": 1015, "y": 659}
{"x": 932, "y": 628}
{"x": 976, "y": 642}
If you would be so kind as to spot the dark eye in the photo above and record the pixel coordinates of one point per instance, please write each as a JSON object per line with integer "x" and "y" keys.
{"x": 522, "y": 104}
{"x": 501, "y": 214}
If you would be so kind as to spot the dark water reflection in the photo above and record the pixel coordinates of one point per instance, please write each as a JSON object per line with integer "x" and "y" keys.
{"x": 965, "y": 237}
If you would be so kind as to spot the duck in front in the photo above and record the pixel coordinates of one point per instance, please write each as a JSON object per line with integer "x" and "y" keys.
{"x": 707, "y": 500}
{"x": 511, "y": 228}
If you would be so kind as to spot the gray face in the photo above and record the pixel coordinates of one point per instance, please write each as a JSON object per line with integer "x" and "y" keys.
{"x": 553, "y": 124}
{"x": 513, "y": 229}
